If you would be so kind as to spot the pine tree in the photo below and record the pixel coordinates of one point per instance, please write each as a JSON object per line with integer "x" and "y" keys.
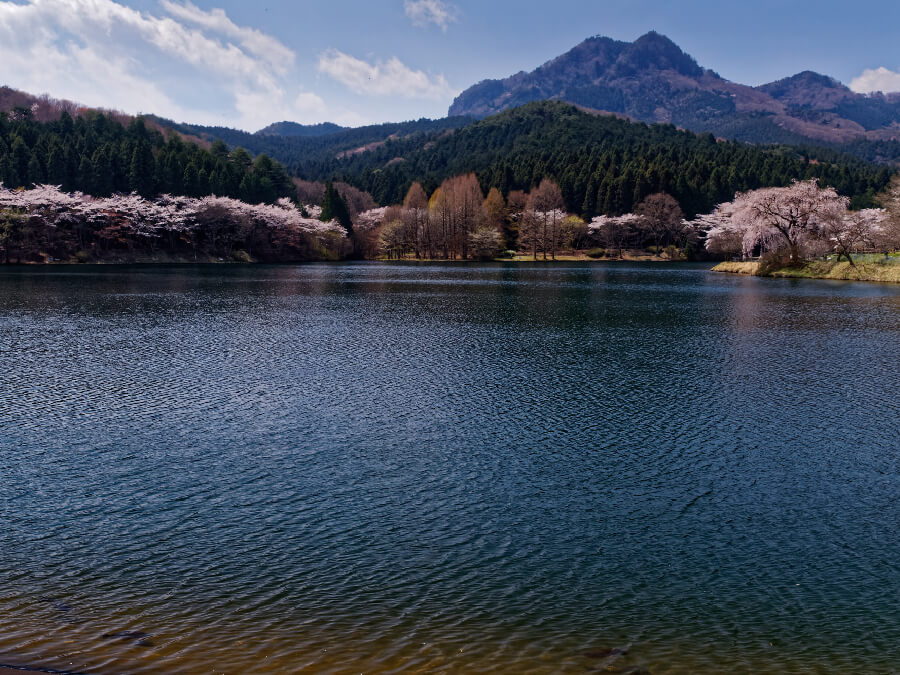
{"x": 85, "y": 179}
{"x": 8, "y": 174}
{"x": 140, "y": 174}
{"x": 21, "y": 156}
{"x": 102, "y": 174}
{"x": 35, "y": 171}
{"x": 56, "y": 167}
{"x": 334, "y": 208}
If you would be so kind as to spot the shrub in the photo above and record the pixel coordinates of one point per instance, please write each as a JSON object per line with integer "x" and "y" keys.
{"x": 773, "y": 260}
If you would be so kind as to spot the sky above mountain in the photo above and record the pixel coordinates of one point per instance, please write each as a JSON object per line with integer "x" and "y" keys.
{"x": 353, "y": 62}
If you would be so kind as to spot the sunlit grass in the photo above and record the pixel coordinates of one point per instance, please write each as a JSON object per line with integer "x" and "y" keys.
{"x": 871, "y": 268}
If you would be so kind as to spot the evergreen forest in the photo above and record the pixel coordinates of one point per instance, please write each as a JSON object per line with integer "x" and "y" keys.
{"x": 603, "y": 164}
{"x": 96, "y": 154}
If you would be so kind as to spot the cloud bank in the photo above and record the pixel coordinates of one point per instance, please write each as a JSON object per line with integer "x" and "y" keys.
{"x": 187, "y": 64}
{"x": 876, "y": 79}
{"x": 386, "y": 78}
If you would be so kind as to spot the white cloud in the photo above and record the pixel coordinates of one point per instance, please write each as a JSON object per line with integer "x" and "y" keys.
{"x": 384, "y": 78}
{"x": 257, "y": 43}
{"x": 192, "y": 65}
{"x": 876, "y": 79}
{"x": 424, "y": 12}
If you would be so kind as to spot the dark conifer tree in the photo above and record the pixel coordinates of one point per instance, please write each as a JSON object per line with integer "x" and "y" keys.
{"x": 334, "y": 208}
{"x": 141, "y": 172}
{"x": 35, "y": 171}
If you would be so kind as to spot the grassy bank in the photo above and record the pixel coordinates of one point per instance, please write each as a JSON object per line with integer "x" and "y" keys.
{"x": 863, "y": 270}
{"x": 737, "y": 267}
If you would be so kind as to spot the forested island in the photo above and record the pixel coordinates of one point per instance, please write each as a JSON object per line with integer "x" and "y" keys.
{"x": 545, "y": 181}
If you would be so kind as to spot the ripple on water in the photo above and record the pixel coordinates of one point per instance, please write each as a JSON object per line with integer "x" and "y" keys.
{"x": 481, "y": 468}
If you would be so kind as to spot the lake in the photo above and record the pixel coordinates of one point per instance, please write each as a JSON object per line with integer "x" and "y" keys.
{"x": 506, "y": 468}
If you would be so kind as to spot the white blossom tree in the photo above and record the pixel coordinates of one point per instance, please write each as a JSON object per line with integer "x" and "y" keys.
{"x": 796, "y": 218}
{"x": 855, "y": 230}
{"x": 126, "y": 219}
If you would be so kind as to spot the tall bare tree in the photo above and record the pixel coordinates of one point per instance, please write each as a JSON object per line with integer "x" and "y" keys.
{"x": 662, "y": 218}
{"x": 547, "y": 203}
{"x": 415, "y": 220}
{"x": 465, "y": 199}
{"x": 439, "y": 221}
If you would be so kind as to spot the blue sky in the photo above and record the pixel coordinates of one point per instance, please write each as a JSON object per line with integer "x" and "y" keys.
{"x": 246, "y": 64}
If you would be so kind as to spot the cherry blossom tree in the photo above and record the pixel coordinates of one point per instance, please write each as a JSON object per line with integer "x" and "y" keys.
{"x": 889, "y": 236}
{"x": 856, "y": 229}
{"x": 796, "y": 218}
{"x": 131, "y": 219}
{"x": 793, "y": 218}
{"x": 614, "y": 231}
{"x": 369, "y": 220}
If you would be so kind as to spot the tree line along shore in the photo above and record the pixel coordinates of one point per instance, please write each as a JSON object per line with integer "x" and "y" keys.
{"x": 94, "y": 189}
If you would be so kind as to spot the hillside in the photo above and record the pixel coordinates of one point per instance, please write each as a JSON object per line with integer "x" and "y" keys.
{"x": 303, "y": 130}
{"x": 603, "y": 164}
{"x": 296, "y": 150}
{"x": 653, "y": 80}
{"x": 99, "y": 155}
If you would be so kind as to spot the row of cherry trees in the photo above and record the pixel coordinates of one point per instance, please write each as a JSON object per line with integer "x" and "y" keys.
{"x": 456, "y": 221}
{"x": 800, "y": 222}
{"x": 46, "y": 222}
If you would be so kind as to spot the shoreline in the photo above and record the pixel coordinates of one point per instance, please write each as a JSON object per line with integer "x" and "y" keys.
{"x": 255, "y": 263}
{"x": 830, "y": 270}
{"x": 629, "y": 258}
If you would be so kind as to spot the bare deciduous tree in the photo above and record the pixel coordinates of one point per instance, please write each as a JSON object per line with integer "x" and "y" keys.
{"x": 661, "y": 218}
{"x": 415, "y": 221}
{"x": 546, "y": 206}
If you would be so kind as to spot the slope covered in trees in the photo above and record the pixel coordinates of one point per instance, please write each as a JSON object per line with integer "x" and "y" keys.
{"x": 308, "y": 155}
{"x": 287, "y": 128}
{"x": 98, "y": 155}
{"x": 603, "y": 165}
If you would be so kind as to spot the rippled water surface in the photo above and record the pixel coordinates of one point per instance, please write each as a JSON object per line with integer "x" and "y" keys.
{"x": 447, "y": 468}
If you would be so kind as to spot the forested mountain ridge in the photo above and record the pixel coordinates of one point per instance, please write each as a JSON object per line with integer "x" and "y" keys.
{"x": 296, "y": 149}
{"x": 604, "y": 165}
{"x": 98, "y": 155}
{"x": 287, "y": 128}
{"x": 653, "y": 80}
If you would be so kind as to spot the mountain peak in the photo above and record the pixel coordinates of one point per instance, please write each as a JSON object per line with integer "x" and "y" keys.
{"x": 653, "y": 80}
{"x": 808, "y": 89}
{"x": 656, "y": 51}
{"x": 652, "y": 37}
{"x": 806, "y": 78}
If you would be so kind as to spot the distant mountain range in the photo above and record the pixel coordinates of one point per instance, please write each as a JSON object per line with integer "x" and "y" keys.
{"x": 653, "y": 80}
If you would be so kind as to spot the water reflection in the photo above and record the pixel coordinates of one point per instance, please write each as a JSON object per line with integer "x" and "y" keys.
{"x": 451, "y": 468}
